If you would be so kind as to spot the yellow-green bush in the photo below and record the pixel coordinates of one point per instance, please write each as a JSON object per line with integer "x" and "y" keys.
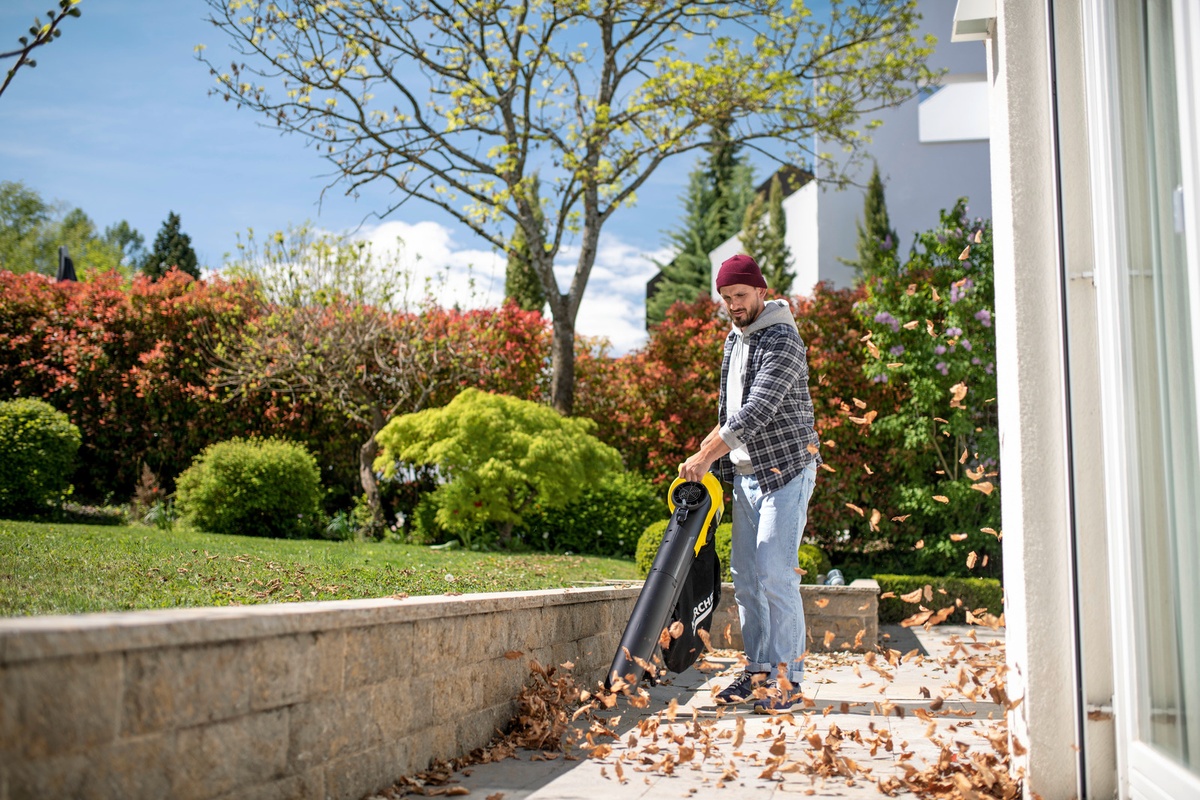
{"x": 253, "y": 487}
{"x": 38, "y": 445}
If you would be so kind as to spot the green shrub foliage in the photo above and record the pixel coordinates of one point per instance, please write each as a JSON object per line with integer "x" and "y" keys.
{"x": 500, "y": 456}
{"x": 37, "y": 456}
{"x": 605, "y": 520}
{"x": 975, "y": 594}
{"x": 253, "y": 487}
{"x": 811, "y": 557}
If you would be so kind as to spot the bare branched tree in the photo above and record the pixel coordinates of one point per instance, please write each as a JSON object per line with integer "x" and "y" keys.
{"x": 460, "y": 103}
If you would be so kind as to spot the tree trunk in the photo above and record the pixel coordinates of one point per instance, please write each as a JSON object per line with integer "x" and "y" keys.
{"x": 562, "y": 365}
{"x": 366, "y": 474}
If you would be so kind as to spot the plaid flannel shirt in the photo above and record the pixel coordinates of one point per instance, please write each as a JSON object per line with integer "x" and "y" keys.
{"x": 776, "y": 419}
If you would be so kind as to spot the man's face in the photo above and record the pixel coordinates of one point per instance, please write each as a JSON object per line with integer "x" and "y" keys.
{"x": 744, "y": 302}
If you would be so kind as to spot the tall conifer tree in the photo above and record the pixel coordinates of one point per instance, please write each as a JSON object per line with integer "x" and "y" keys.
{"x": 172, "y": 248}
{"x": 876, "y": 251}
{"x": 717, "y": 195}
{"x": 764, "y": 238}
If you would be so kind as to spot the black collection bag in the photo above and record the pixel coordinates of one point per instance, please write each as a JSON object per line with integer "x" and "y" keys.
{"x": 697, "y": 605}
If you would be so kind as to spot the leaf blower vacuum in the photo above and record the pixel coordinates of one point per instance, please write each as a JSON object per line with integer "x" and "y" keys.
{"x": 681, "y": 591}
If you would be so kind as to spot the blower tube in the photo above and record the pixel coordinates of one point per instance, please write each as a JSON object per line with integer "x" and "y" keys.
{"x": 695, "y": 514}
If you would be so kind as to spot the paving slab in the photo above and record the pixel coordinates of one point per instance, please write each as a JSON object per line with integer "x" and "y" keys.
{"x": 881, "y": 713}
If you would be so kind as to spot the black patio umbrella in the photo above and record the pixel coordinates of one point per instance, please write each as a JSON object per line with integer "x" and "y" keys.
{"x": 66, "y": 267}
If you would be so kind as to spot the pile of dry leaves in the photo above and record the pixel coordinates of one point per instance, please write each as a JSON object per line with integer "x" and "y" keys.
{"x": 557, "y": 718}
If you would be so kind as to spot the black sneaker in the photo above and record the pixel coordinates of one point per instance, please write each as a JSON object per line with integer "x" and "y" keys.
{"x": 774, "y": 700}
{"x": 741, "y": 690}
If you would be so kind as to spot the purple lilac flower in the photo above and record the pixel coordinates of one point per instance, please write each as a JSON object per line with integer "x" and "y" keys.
{"x": 976, "y": 361}
{"x": 880, "y": 379}
{"x": 887, "y": 242}
{"x": 966, "y": 345}
{"x": 940, "y": 349}
{"x": 885, "y": 318}
{"x": 959, "y": 289}
{"x": 896, "y": 349}
{"x": 943, "y": 368}
{"x": 984, "y": 316}
{"x": 954, "y": 331}
{"x": 990, "y": 368}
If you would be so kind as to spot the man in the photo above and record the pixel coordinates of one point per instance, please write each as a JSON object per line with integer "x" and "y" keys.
{"x": 765, "y": 445}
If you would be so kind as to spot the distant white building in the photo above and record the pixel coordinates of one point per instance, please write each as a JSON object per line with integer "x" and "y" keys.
{"x": 931, "y": 151}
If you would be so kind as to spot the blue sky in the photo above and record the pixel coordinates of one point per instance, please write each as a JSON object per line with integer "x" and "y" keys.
{"x": 116, "y": 119}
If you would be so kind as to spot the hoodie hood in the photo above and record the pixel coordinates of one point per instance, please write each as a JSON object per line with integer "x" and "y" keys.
{"x": 775, "y": 312}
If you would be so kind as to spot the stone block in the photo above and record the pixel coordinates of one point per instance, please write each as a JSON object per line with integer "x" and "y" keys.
{"x": 180, "y": 687}
{"x": 451, "y": 640}
{"x": 219, "y": 757}
{"x": 292, "y": 669}
{"x": 310, "y": 784}
{"x": 355, "y": 777}
{"x": 323, "y": 729}
{"x": 454, "y": 692}
{"x": 60, "y": 705}
{"x": 479, "y": 727}
{"x": 400, "y": 707}
{"x": 501, "y": 679}
{"x": 438, "y": 741}
{"x": 133, "y": 769}
{"x": 378, "y": 653}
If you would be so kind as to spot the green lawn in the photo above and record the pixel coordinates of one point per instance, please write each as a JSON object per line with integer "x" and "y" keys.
{"x": 51, "y": 568}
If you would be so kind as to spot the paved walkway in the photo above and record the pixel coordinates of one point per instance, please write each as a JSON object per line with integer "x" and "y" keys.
{"x": 868, "y": 720}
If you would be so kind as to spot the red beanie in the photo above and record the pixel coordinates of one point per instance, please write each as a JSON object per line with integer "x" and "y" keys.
{"x": 740, "y": 269}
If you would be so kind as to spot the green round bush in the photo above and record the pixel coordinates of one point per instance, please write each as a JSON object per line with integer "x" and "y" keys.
{"x": 647, "y": 548}
{"x": 38, "y": 445}
{"x": 253, "y": 487}
{"x": 606, "y": 520}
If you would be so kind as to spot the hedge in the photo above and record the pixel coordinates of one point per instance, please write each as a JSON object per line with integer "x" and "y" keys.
{"x": 811, "y": 558}
{"x": 975, "y": 593}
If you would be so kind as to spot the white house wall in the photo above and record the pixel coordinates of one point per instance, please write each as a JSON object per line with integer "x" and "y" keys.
{"x": 919, "y": 178}
{"x": 1038, "y": 568}
{"x": 804, "y": 237}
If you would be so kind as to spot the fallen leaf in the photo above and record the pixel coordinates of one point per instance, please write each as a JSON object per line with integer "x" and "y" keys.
{"x": 912, "y": 597}
{"x": 991, "y": 531}
{"x": 957, "y": 537}
{"x": 812, "y": 448}
{"x": 920, "y": 543}
{"x": 875, "y": 517}
{"x": 829, "y": 636}
{"x": 957, "y": 392}
{"x": 908, "y": 326}
{"x": 966, "y": 252}
{"x": 985, "y": 487}
{"x": 855, "y": 509}
{"x": 963, "y": 458}
{"x": 827, "y": 468}
{"x": 941, "y": 498}
{"x": 901, "y": 518}
{"x": 858, "y": 402}
{"x": 676, "y": 629}
{"x": 821, "y": 602}
{"x": 979, "y": 236}
{"x": 513, "y": 655}
{"x": 929, "y": 327}
{"x": 971, "y": 557}
{"x": 936, "y": 297}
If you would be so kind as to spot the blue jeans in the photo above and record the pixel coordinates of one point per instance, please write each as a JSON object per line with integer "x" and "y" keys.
{"x": 766, "y": 586}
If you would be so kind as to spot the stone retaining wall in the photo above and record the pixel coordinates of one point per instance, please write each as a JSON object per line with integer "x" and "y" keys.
{"x": 334, "y": 699}
{"x": 836, "y": 617}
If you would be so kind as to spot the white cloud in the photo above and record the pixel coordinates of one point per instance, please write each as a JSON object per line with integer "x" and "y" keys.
{"x": 613, "y": 304}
